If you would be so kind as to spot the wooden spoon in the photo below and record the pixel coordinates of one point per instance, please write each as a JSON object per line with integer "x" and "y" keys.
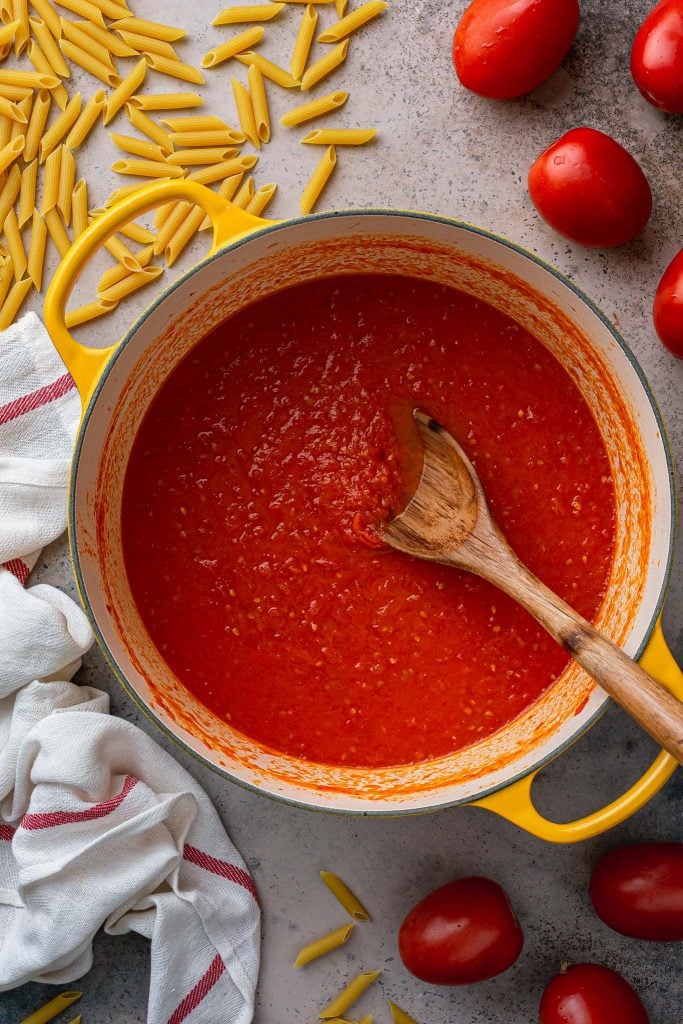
{"x": 448, "y": 520}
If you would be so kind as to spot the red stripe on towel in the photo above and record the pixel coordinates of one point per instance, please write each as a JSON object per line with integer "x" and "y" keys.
{"x": 27, "y": 403}
{"x": 49, "y": 820}
{"x": 7, "y": 833}
{"x": 18, "y": 569}
{"x": 220, "y": 867}
{"x": 199, "y": 992}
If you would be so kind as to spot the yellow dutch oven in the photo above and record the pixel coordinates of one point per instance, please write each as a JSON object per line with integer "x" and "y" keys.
{"x": 252, "y": 258}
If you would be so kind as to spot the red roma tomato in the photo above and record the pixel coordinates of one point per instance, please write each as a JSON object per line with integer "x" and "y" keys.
{"x": 667, "y": 311}
{"x": 504, "y": 48}
{"x": 590, "y": 189}
{"x": 591, "y": 994}
{"x": 638, "y": 889}
{"x": 657, "y": 57}
{"x": 464, "y": 932}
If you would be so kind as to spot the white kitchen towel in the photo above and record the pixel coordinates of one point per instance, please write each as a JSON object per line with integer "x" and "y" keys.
{"x": 99, "y": 827}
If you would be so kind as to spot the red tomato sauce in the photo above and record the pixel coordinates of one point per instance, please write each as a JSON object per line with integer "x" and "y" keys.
{"x": 266, "y": 462}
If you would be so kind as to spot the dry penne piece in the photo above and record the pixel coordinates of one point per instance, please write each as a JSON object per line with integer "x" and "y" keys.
{"x": 147, "y": 168}
{"x": 29, "y": 79}
{"x": 6, "y": 131}
{"x": 8, "y": 31}
{"x": 167, "y": 101}
{"x": 9, "y": 192}
{"x": 61, "y": 127}
{"x": 246, "y": 13}
{"x": 22, "y": 34}
{"x": 216, "y": 172}
{"x": 269, "y": 70}
{"x": 82, "y": 315}
{"x": 67, "y": 180}
{"x": 224, "y": 51}
{"x": 16, "y": 127}
{"x": 339, "y": 136}
{"x": 400, "y": 1016}
{"x": 198, "y": 157}
{"x": 115, "y": 274}
{"x": 260, "y": 199}
{"x": 153, "y": 29}
{"x": 325, "y": 66}
{"x": 259, "y": 103}
{"x": 318, "y": 2}
{"x": 138, "y": 147}
{"x": 85, "y": 9}
{"x": 113, "y": 43}
{"x": 123, "y": 92}
{"x": 15, "y": 245}
{"x": 245, "y": 193}
{"x": 148, "y": 127}
{"x": 6, "y": 278}
{"x": 48, "y": 45}
{"x": 43, "y": 67}
{"x": 348, "y": 996}
{"x": 14, "y": 92}
{"x": 126, "y": 190}
{"x": 340, "y": 7}
{"x": 51, "y": 180}
{"x": 46, "y": 11}
{"x": 361, "y": 16}
{"x": 11, "y": 307}
{"x": 162, "y": 213}
{"x": 36, "y": 123}
{"x": 27, "y": 192}
{"x": 122, "y": 253}
{"x": 245, "y": 112}
{"x": 112, "y": 9}
{"x": 76, "y": 34}
{"x": 86, "y": 120}
{"x": 36, "y": 251}
{"x": 79, "y": 207}
{"x": 205, "y": 139}
{"x": 58, "y": 232}
{"x": 309, "y": 197}
{"x": 131, "y": 283}
{"x": 174, "y": 68}
{"x": 366, "y": 1020}
{"x": 325, "y": 945}
{"x": 137, "y": 233}
{"x": 10, "y": 109}
{"x": 91, "y": 64}
{"x": 196, "y": 123}
{"x": 184, "y": 235}
{"x": 171, "y": 217}
{"x": 10, "y": 152}
{"x": 146, "y": 44}
{"x": 343, "y": 895}
{"x": 304, "y": 41}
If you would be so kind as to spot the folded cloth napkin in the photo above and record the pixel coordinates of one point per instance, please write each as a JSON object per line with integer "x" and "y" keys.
{"x": 99, "y": 827}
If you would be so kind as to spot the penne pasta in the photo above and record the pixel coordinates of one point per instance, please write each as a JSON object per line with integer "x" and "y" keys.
{"x": 227, "y": 189}
{"x": 153, "y": 29}
{"x": 61, "y": 127}
{"x": 138, "y": 147}
{"x": 137, "y": 233}
{"x": 260, "y": 199}
{"x": 15, "y": 245}
{"x": 340, "y": 7}
{"x": 174, "y": 68}
{"x": 6, "y": 278}
{"x": 246, "y": 13}
{"x": 147, "y": 168}
{"x": 244, "y": 194}
{"x": 22, "y": 34}
{"x": 36, "y": 123}
{"x": 11, "y": 307}
{"x": 259, "y": 103}
{"x": 224, "y": 51}
{"x": 198, "y": 157}
{"x": 318, "y": 2}
{"x": 309, "y": 197}
{"x": 116, "y": 248}
{"x": 339, "y": 136}
{"x": 67, "y": 180}
{"x": 204, "y": 139}
{"x": 48, "y": 45}
{"x": 86, "y": 120}
{"x": 58, "y": 232}
{"x": 48, "y": 14}
{"x": 9, "y": 192}
{"x": 8, "y": 32}
{"x": 186, "y": 231}
{"x": 6, "y": 126}
{"x": 196, "y": 123}
{"x": 268, "y": 69}
{"x": 36, "y": 251}
{"x": 29, "y": 79}
{"x": 140, "y": 44}
{"x": 115, "y": 274}
{"x": 85, "y": 9}
{"x": 123, "y": 92}
{"x": 316, "y": 108}
{"x": 304, "y": 41}
{"x": 42, "y": 66}
{"x": 325, "y": 66}
{"x": 399, "y": 1016}
{"x": 112, "y": 43}
{"x": 14, "y": 92}
{"x": 366, "y": 1020}
{"x": 167, "y": 101}
{"x": 10, "y": 152}
{"x": 91, "y": 64}
{"x": 17, "y": 128}
{"x": 112, "y": 8}
{"x": 343, "y": 895}
{"x": 162, "y": 213}
{"x": 51, "y": 180}
{"x": 361, "y": 16}
{"x": 79, "y": 37}
{"x": 323, "y": 946}
{"x": 12, "y": 110}
{"x": 168, "y": 223}
{"x": 217, "y": 172}
{"x": 148, "y": 127}
{"x": 245, "y": 112}
{"x": 27, "y": 192}
{"x": 348, "y": 996}
{"x": 122, "y": 193}
{"x": 82, "y": 315}
{"x": 79, "y": 207}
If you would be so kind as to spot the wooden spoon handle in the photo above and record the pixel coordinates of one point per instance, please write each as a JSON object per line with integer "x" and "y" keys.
{"x": 648, "y": 702}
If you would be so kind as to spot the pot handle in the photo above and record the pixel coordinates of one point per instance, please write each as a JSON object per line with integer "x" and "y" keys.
{"x": 86, "y": 364}
{"x": 515, "y": 802}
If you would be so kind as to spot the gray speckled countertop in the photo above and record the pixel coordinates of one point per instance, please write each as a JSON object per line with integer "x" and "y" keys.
{"x": 443, "y": 150}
